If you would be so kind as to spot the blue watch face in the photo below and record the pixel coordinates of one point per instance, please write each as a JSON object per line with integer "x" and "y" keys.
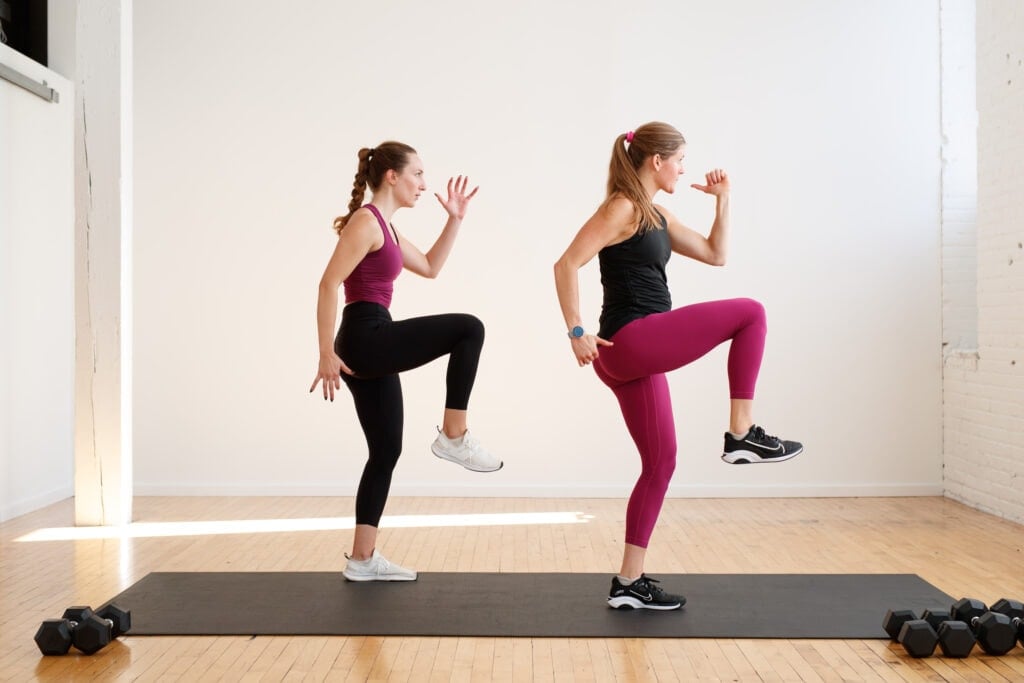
{"x": 577, "y": 332}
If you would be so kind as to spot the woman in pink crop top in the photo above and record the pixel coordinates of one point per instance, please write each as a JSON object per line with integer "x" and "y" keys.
{"x": 370, "y": 349}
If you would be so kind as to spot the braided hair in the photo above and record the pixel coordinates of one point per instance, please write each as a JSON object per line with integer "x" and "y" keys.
{"x": 374, "y": 162}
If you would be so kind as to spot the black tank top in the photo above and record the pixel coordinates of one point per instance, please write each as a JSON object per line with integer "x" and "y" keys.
{"x": 633, "y": 276}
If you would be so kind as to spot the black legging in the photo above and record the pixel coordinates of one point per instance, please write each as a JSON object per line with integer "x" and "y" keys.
{"x": 376, "y": 349}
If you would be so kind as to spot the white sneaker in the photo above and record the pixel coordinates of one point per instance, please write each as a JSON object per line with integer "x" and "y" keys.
{"x": 376, "y": 569}
{"x": 469, "y": 453}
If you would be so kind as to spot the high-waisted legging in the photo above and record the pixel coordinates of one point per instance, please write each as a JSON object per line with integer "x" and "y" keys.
{"x": 376, "y": 349}
{"x": 634, "y": 368}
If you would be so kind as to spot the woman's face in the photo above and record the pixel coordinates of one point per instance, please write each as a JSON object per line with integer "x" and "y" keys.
{"x": 409, "y": 183}
{"x": 671, "y": 168}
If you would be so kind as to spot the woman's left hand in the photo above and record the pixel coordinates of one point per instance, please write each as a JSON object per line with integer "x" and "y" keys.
{"x": 458, "y": 200}
{"x": 717, "y": 183}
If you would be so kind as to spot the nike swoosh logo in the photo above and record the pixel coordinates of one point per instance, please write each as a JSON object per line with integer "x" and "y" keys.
{"x": 777, "y": 448}
{"x": 645, "y": 598}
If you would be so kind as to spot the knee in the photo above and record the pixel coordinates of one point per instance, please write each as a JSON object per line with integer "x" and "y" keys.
{"x": 382, "y": 461}
{"x": 474, "y": 328}
{"x": 755, "y": 309}
{"x": 666, "y": 468}
{"x": 384, "y": 454}
{"x": 661, "y": 467}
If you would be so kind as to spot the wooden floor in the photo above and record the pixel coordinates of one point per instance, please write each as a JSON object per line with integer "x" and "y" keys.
{"x": 959, "y": 550}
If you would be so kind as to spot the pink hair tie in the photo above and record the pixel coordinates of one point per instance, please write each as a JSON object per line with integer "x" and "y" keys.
{"x": 629, "y": 136}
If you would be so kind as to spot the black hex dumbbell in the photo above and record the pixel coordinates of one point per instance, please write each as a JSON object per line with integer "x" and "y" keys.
{"x": 995, "y": 632}
{"x": 120, "y": 620}
{"x": 935, "y": 616}
{"x": 955, "y": 638}
{"x": 918, "y": 638}
{"x": 1014, "y": 609}
{"x": 894, "y": 620}
{"x": 54, "y": 636}
{"x": 91, "y": 632}
{"x": 88, "y": 631}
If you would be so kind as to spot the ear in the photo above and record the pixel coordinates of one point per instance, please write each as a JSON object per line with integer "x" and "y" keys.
{"x": 656, "y": 161}
{"x": 391, "y": 176}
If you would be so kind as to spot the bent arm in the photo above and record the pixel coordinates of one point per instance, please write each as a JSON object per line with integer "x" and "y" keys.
{"x": 429, "y": 265}
{"x": 711, "y": 249}
{"x": 610, "y": 224}
{"x": 455, "y": 204}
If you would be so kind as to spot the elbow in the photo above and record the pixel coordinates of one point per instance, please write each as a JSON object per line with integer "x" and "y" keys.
{"x": 427, "y": 268}
{"x": 561, "y": 268}
{"x": 717, "y": 258}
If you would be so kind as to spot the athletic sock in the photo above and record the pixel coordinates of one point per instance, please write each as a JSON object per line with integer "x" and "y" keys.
{"x": 624, "y": 581}
{"x": 738, "y": 436}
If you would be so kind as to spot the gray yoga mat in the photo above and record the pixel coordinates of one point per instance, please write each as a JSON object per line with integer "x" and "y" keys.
{"x": 519, "y": 605}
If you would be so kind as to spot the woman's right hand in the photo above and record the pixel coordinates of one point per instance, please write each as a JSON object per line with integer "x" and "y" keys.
{"x": 585, "y": 348}
{"x": 331, "y": 367}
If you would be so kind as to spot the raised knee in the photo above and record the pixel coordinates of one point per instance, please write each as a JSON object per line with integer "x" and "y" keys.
{"x": 474, "y": 328}
{"x": 755, "y": 307}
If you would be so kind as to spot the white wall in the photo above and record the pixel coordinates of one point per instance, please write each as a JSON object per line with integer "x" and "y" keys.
{"x": 36, "y": 290}
{"x": 984, "y": 394}
{"x": 248, "y": 118}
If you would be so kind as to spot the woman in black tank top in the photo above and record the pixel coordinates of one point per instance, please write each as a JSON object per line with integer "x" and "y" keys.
{"x": 641, "y": 337}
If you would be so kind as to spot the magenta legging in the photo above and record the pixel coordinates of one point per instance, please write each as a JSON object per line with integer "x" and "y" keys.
{"x": 635, "y": 367}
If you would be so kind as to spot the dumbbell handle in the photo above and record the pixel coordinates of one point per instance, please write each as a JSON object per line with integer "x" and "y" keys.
{"x": 1016, "y": 621}
{"x": 74, "y": 624}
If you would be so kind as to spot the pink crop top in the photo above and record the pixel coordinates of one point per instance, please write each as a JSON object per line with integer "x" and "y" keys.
{"x": 374, "y": 277}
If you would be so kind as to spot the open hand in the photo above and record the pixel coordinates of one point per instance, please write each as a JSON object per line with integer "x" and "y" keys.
{"x": 457, "y": 201}
{"x": 331, "y": 367}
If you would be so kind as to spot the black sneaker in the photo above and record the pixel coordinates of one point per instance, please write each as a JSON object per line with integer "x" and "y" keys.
{"x": 756, "y": 446}
{"x": 642, "y": 594}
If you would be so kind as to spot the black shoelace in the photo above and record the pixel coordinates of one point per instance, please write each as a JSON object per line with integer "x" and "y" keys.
{"x": 759, "y": 435}
{"x": 648, "y": 582}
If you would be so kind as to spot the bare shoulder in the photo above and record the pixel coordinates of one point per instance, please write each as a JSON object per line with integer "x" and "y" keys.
{"x": 619, "y": 210}
{"x": 362, "y": 228}
{"x": 617, "y": 219}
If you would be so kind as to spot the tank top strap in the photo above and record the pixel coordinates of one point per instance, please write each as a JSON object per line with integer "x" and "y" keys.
{"x": 383, "y": 225}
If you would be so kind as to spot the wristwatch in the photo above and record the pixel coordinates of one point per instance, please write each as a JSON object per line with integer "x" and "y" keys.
{"x": 576, "y": 332}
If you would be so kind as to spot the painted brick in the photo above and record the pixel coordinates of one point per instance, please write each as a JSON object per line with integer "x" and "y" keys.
{"x": 983, "y": 396}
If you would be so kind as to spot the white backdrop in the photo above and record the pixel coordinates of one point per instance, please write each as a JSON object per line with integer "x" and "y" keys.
{"x": 248, "y": 118}
{"x": 37, "y": 303}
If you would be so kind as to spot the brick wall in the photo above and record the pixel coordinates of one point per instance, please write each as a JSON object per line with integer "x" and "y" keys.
{"x": 983, "y": 402}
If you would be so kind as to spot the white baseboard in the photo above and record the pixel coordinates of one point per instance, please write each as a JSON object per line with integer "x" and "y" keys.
{"x": 545, "y": 491}
{"x": 10, "y": 510}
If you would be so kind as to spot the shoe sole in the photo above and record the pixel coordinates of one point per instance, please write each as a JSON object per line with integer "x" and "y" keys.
{"x": 377, "y": 578}
{"x": 626, "y": 602}
{"x": 459, "y": 462}
{"x": 751, "y": 458}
